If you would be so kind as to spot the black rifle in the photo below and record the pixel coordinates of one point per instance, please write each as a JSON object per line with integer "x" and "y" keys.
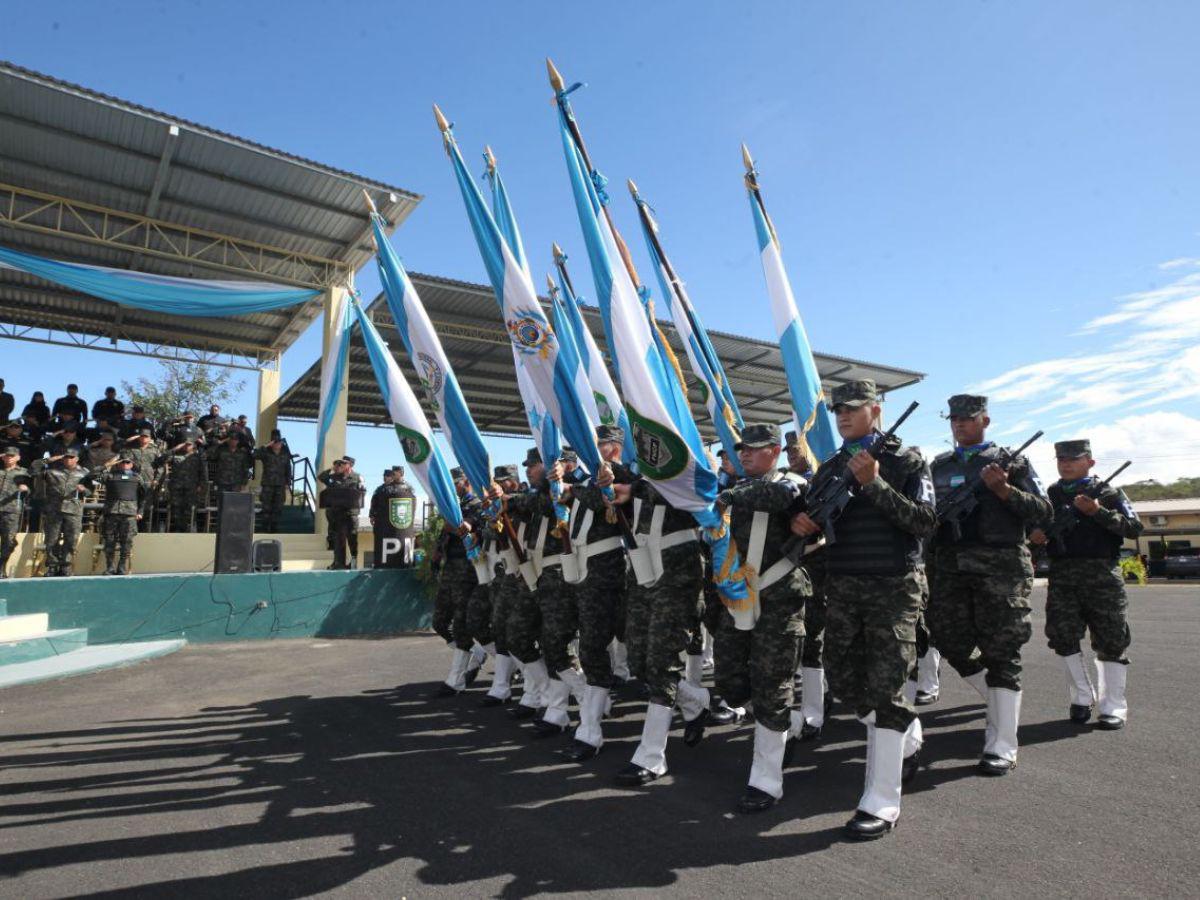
{"x": 826, "y": 504}
{"x": 957, "y": 506}
{"x": 1066, "y": 517}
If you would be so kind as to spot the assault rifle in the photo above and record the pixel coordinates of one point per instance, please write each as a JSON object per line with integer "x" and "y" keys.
{"x": 1066, "y": 517}
{"x": 957, "y": 506}
{"x": 826, "y": 504}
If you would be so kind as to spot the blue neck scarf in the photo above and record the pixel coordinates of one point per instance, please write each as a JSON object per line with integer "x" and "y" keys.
{"x": 866, "y": 442}
{"x": 965, "y": 453}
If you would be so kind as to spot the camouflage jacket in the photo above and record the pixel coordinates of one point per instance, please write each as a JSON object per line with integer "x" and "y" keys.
{"x": 533, "y": 507}
{"x": 185, "y": 471}
{"x": 230, "y": 466}
{"x": 276, "y": 467}
{"x": 777, "y": 494}
{"x": 143, "y": 461}
{"x": 119, "y": 498}
{"x": 60, "y": 486}
{"x": 10, "y": 481}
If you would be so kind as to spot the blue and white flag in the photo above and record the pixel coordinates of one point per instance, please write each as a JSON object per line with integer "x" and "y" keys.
{"x": 804, "y": 382}
{"x": 552, "y": 366}
{"x": 433, "y": 367}
{"x": 706, "y": 365}
{"x": 423, "y": 456}
{"x": 333, "y": 369}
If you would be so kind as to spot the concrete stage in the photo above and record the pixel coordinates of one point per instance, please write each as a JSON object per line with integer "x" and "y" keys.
{"x": 294, "y": 768}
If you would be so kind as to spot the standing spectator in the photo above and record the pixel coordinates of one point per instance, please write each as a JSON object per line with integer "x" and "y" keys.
{"x": 71, "y": 403}
{"x": 6, "y": 403}
{"x": 135, "y": 423}
{"x": 66, "y": 438}
{"x": 36, "y": 415}
{"x": 110, "y": 410}
{"x": 212, "y": 421}
{"x": 187, "y": 470}
{"x": 243, "y": 431}
{"x": 101, "y": 449}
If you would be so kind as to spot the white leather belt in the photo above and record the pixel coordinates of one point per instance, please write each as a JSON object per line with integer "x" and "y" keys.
{"x": 778, "y": 571}
{"x": 675, "y": 538}
{"x": 605, "y": 545}
{"x": 547, "y": 561}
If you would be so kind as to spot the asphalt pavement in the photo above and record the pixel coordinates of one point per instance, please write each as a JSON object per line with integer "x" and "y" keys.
{"x": 300, "y": 768}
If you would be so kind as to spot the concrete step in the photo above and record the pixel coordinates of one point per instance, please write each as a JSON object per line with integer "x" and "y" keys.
{"x": 49, "y": 643}
{"x": 3, "y": 607}
{"x": 89, "y": 659}
{"x": 17, "y": 628}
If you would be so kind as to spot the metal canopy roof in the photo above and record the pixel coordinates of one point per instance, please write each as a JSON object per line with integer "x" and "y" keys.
{"x": 467, "y": 319}
{"x": 86, "y": 177}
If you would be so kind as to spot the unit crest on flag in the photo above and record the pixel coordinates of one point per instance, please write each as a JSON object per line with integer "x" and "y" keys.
{"x": 431, "y": 378}
{"x": 661, "y": 453}
{"x": 416, "y": 448}
{"x": 532, "y": 332}
{"x": 400, "y": 512}
{"x": 605, "y": 411}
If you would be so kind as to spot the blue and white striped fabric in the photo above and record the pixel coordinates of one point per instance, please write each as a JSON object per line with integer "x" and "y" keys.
{"x": 808, "y": 399}
{"x": 160, "y": 293}
{"x": 706, "y": 365}
{"x": 552, "y": 366}
{"x": 608, "y": 402}
{"x": 333, "y": 370}
{"x": 433, "y": 366}
{"x": 423, "y": 456}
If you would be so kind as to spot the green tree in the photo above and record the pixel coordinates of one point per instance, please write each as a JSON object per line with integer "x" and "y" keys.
{"x": 1180, "y": 489}
{"x": 182, "y": 386}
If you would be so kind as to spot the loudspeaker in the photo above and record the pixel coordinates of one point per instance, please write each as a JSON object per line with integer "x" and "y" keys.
{"x": 235, "y": 531}
{"x": 268, "y": 556}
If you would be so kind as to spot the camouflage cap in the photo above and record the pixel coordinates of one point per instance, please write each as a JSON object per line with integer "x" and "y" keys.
{"x": 967, "y": 405}
{"x": 614, "y": 433}
{"x": 70, "y": 425}
{"x": 508, "y": 471}
{"x": 569, "y": 455}
{"x": 387, "y": 473}
{"x": 146, "y": 431}
{"x": 755, "y": 436}
{"x": 854, "y": 394}
{"x": 1073, "y": 449}
{"x": 532, "y": 458}
{"x": 792, "y": 439}
{"x": 125, "y": 457}
{"x": 11, "y": 451}
{"x": 71, "y": 451}
{"x": 348, "y": 460}
{"x": 457, "y": 474}
{"x": 13, "y": 423}
{"x": 399, "y": 470}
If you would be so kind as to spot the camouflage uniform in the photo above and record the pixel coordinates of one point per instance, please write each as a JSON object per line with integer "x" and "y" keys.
{"x": 62, "y": 514}
{"x": 11, "y": 503}
{"x": 276, "y": 479}
{"x": 523, "y": 626}
{"x": 342, "y": 522}
{"x": 124, "y": 493}
{"x": 144, "y": 459}
{"x": 230, "y": 467}
{"x": 186, "y": 472}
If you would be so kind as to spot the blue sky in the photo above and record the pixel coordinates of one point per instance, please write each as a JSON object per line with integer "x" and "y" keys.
{"x": 1002, "y": 195}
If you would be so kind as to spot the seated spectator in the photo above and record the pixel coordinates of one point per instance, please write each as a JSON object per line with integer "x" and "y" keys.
{"x": 71, "y": 403}
{"x": 6, "y": 403}
{"x": 110, "y": 410}
{"x": 212, "y": 421}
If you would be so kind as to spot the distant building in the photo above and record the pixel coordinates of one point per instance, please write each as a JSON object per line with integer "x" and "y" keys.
{"x": 1170, "y": 525}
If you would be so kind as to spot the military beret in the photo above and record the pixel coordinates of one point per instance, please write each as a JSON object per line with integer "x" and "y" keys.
{"x": 508, "y": 471}
{"x": 1073, "y": 449}
{"x": 569, "y": 455}
{"x": 11, "y": 451}
{"x": 614, "y": 433}
{"x": 532, "y": 458}
{"x": 854, "y": 394}
{"x": 967, "y": 405}
{"x": 457, "y": 473}
{"x": 755, "y": 436}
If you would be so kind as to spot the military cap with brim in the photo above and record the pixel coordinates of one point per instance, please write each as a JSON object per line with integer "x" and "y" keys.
{"x": 569, "y": 455}
{"x": 854, "y": 394}
{"x": 791, "y": 439}
{"x": 755, "y": 436}
{"x": 532, "y": 458}
{"x": 71, "y": 451}
{"x": 387, "y": 472}
{"x": 11, "y": 451}
{"x": 457, "y": 473}
{"x": 70, "y": 425}
{"x": 614, "y": 433}
{"x": 399, "y": 470}
{"x": 1073, "y": 449}
{"x": 348, "y": 460}
{"x": 12, "y": 423}
{"x": 147, "y": 431}
{"x": 124, "y": 457}
{"x": 508, "y": 471}
{"x": 967, "y": 405}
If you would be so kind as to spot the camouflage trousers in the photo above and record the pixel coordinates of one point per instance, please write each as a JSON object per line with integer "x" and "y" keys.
{"x": 455, "y": 586}
{"x": 759, "y": 665}
{"x": 119, "y": 532}
{"x": 271, "y": 498}
{"x": 56, "y": 527}
{"x": 978, "y": 613}
{"x": 871, "y": 643}
{"x": 523, "y": 626}
{"x": 183, "y": 505}
{"x": 560, "y": 619}
{"x": 813, "y": 652}
{"x": 601, "y": 602}
{"x": 479, "y": 612}
{"x": 10, "y": 521}
{"x": 710, "y": 615}
{"x": 501, "y": 602}
{"x": 1087, "y": 595}
{"x": 662, "y": 619}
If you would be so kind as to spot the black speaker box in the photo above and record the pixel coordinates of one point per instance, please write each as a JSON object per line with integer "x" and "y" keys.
{"x": 268, "y": 556}
{"x": 235, "y": 532}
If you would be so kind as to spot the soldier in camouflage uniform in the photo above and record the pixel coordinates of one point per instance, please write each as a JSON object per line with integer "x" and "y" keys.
{"x": 230, "y": 463}
{"x": 873, "y": 594}
{"x": 758, "y": 641}
{"x": 556, "y": 600}
{"x": 14, "y": 490}
{"x": 276, "y": 479}
{"x": 455, "y": 586}
{"x": 1087, "y": 591}
{"x": 64, "y": 485}
{"x": 145, "y": 452}
{"x": 501, "y": 592}
{"x": 187, "y": 470}
{"x": 979, "y": 600}
{"x": 101, "y": 450}
{"x": 124, "y": 492}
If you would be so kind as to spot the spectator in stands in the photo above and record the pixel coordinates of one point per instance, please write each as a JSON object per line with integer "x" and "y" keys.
{"x": 110, "y": 410}
{"x": 36, "y": 414}
{"x": 101, "y": 449}
{"x": 135, "y": 423}
{"x": 67, "y": 437}
{"x": 6, "y": 403}
{"x": 212, "y": 421}
{"x": 183, "y": 429}
{"x": 242, "y": 430}
{"x": 71, "y": 403}
{"x": 14, "y": 435}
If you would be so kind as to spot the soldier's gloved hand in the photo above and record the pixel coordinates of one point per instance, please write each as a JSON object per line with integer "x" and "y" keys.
{"x": 996, "y": 480}
{"x": 555, "y": 472}
{"x": 1086, "y": 505}
{"x": 802, "y": 525}
{"x": 1037, "y": 536}
{"x": 494, "y": 491}
{"x": 604, "y": 477}
{"x": 864, "y": 467}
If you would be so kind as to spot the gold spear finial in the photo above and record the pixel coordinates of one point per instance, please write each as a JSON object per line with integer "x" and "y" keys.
{"x": 442, "y": 124}
{"x": 550, "y": 285}
{"x": 556, "y": 80}
{"x": 491, "y": 159}
{"x": 370, "y": 202}
{"x": 746, "y": 158}
{"x": 557, "y": 250}
{"x": 632, "y": 188}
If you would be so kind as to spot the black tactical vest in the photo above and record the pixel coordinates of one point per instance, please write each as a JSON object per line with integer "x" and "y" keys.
{"x": 991, "y": 523}
{"x": 122, "y": 487}
{"x": 1088, "y": 539}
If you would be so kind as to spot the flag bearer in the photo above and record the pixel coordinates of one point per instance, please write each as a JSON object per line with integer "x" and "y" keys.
{"x": 455, "y": 586}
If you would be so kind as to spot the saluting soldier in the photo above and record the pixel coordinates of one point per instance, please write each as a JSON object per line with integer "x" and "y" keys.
{"x": 124, "y": 493}
{"x": 64, "y": 485}
{"x": 67, "y": 437}
{"x": 342, "y": 521}
{"x": 101, "y": 449}
{"x": 187, "y": 470}
{"x": 873, "y": 590}
{"x": 978, "y": 611}
{"x": 14, "y": 491}
{"x": 230, "y": 464}
{"x": 1087, "y": 590}
{"x": 276, "y": 463}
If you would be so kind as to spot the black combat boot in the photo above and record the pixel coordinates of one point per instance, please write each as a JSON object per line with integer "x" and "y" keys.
{"x": 866, "y": 827}
{"x": 110, "y": 562}
{"x": 755, "y": 801}
{"x": 634, "y": 775}
{"x": 123, "y": 565}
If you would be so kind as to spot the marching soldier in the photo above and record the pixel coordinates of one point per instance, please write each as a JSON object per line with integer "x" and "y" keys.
{"x": 757, "y": 651}
{"x": 14, "y": 490}
{"x": 187, "y": 470}
{"x": 873, "y": 590}
{"x": 982, "y": 574}
{"x": 124, "y": 492}
{"x": 455, "y": 587}
{"x": 64, "y": 485}
{"x": 276, "y": 479}
{"x": 1086, "y": 591}
{"x": 230, "y": 464}
{"x": 342, "y": 520}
